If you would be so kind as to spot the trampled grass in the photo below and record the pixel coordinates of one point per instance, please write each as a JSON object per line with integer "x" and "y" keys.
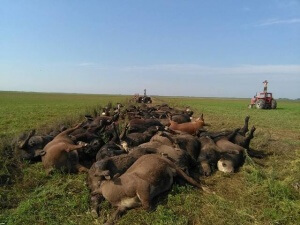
{"x": 264, "y": 191}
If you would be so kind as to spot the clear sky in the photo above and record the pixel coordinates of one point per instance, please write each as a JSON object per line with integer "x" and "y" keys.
{"x": 217, "y": 48}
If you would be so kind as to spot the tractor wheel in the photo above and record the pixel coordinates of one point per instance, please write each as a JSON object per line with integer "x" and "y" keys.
{"x": 273, "y": 104}
{"x": 260, "y": 104}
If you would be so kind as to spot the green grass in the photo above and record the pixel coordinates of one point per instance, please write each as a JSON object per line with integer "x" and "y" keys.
{"x": 262, "y": 192}
{"x": 24, "y": 111}
{"x": 62, "y": 199}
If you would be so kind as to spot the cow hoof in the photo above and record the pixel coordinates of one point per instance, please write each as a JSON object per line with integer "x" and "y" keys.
{"x": 94, "y": 213}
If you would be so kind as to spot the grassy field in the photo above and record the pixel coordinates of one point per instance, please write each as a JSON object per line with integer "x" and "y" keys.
{"x": 264, "y": 191}
{"x": 24, "y": 111}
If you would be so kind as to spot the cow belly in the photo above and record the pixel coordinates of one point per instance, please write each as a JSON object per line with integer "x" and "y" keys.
{"x": 130, "y": 202}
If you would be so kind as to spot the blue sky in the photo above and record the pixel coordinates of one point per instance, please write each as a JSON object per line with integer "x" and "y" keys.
{"x": 222, "y": 48}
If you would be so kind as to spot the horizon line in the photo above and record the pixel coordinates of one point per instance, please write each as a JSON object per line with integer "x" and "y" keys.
{"x": 173, "y": 96}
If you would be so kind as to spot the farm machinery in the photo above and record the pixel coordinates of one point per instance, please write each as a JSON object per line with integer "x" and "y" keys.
{"x": 142, "y": 99}
{"x": 263, "y": 100}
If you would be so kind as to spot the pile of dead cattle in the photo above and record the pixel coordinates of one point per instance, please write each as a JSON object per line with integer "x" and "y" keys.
{"x": 133, "y": 154}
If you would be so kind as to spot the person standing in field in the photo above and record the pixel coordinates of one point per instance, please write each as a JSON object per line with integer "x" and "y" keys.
{"x": 265, "y": 85}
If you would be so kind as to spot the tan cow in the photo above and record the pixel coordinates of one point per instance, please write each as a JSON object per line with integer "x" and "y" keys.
{"x": 60, "y": 153}
{"x": 189, "y": 127}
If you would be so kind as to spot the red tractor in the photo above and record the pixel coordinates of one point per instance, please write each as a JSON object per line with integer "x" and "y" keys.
{"x": 263, "y": 100}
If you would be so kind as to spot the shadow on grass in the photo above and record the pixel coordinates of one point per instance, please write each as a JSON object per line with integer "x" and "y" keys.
{"x": 259, "y": 154}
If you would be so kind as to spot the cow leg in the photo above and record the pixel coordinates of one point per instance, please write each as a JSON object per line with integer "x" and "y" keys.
{"x": 249, "y": 137}
{"x": 69, "y": 131}
{"x": 117, "y": 214}
{"x": 95, "y": 201}
{"x": 251, "y": 134}
{"x": 22, "y": 144}
{"x": 220, "y": 150}
{"x": 143, "y": 193}
{"x": 71, "y": 147}
{"x": 233, "y": 134}
{"x": 74, "y": 165}
{"x": 245, "y": 129}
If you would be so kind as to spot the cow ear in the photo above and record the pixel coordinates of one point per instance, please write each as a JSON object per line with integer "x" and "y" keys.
{"x": 201, "y": 117}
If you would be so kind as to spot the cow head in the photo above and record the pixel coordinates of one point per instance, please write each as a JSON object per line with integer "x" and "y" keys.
{"x": 225, "y": 165}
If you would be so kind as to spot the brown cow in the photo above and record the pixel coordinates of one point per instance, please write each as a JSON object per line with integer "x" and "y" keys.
{"x": 189, "y": 127}
{"x": 60, "y": 153}
{"x": 232, "y": 155}
{"x": 109, "y": 168}
{"x": 148, "y": 177}
{"x": 209, "y": 155}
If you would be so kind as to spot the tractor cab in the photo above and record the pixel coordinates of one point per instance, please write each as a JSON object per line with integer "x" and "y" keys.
{"x": 265, "y": 95}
